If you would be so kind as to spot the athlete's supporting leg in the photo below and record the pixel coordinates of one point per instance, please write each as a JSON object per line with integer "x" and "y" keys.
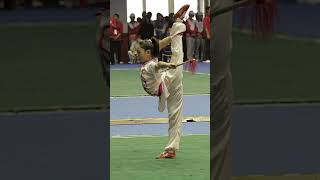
{"x": 175, "y": 88}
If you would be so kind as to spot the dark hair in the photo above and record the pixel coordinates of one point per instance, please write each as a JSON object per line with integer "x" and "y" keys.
{"x": 170, "y": 23}
{"x": 116, "y": 15}
{"x": 207, "y": 8}
{"x": 150, "y": 44}
{"x": 149, "y": 15}
{"x": 144, "y": 13}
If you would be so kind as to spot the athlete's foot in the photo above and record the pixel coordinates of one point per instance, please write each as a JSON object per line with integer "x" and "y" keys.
{"x": 181, "y": 12}
{"x": 167, "y": 154}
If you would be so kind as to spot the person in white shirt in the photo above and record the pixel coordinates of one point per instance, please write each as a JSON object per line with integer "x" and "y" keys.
{"x": 200, "y": 41}
{"x": 133, "y": 29}
{"x": 191, "y": 33}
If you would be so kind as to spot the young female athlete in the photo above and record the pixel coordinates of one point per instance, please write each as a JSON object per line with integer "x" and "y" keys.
{"x": 168, "y": 84}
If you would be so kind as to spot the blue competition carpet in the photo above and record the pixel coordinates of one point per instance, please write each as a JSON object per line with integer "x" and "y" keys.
{"x": 52, "y": 146}
{"x": 124, "y": 108}
{"x": 276, "y": 139}
{"x": 158, "y": 129}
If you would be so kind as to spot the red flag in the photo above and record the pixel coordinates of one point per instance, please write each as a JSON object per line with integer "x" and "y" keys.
{"x": 192, "y": 65}
{"x": 263, "y": 14}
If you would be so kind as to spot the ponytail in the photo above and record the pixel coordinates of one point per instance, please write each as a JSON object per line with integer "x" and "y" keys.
{"x": 156, "y": 49}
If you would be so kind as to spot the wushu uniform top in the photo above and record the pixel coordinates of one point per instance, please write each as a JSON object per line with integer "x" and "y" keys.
{"x": 154, "y": 83}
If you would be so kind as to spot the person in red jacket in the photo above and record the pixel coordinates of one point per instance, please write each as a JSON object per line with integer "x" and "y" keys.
{"x": 191, "y": 33}
{"x": 207, "y": 33}
{"x": 115, "y": 33}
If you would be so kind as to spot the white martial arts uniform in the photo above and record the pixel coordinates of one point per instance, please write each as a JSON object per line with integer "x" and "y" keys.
{"x": 168, "y": 85}
{"x": 155, "y": 82}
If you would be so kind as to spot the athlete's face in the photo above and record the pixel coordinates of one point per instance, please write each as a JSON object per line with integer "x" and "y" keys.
{"x": 144, "y": 55}
{"x": 208, "y": 11}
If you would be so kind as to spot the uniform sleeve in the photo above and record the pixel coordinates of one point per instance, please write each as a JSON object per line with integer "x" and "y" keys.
{"x": 177, "y": 28}
{"x": 151, "y": 68}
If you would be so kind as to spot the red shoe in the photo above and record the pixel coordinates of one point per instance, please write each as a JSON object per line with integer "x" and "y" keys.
{"x": 167, "y": 155}
{"x": 182, "y": 11}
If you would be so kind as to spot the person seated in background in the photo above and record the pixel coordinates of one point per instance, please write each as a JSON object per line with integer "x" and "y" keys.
{"x": 133, "y": 52}
{"x": 165, "y": 53}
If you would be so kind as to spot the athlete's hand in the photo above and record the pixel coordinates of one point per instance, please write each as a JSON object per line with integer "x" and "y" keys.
{"x": 172, "y": 65}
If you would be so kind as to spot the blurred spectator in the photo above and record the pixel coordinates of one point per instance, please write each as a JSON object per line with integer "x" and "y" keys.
{"x": 146, "y": 28}
{"x": 160, "y": 26}
{"x": 133, "y": 29}
{"x": 149, "y": 14}
{"x": 169, "y": 23}
{"x": 144, "y": 14}
{"x": 115, "y": 33}
{"x": 139, "y": 20}
{"x": 166, "y": 53}
{"x": 207, "y": 33}
{"x": 191, "y": 32}
{"x": 133, "y": 52}
{"x": 200, "y": 41}
{"x": 171, "y": 15}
